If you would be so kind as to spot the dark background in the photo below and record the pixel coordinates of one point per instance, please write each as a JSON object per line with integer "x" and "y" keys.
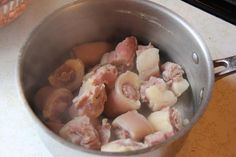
{"x": 224, "y": 9}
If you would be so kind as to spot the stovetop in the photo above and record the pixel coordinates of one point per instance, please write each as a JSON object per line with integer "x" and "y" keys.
{"x": 224, "y": 9}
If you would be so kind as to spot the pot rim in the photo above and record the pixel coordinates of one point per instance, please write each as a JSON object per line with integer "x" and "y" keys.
{"x": 178, "y": 135}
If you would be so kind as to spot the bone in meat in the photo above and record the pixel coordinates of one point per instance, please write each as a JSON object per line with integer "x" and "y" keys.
{"x": 124, "y": 53}
{"x": 81, "y": 131}
{"x": 135, "y": 124}
{"x": 53, "y": 102}
{"x": 90, "y": 102}
{"x": 106, "y": 74}
{"x": 69, "y": 75}
{"x": 125, "y": 96}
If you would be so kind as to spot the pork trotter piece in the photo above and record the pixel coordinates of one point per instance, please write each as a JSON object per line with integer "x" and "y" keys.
{"x": 106, "y": 74}
{"x": 135, "y": 124}
{"x": 90, "y": 101}
{"x": 53, "y": 102}
{"x": 124, "y": 53}
{"x": 155, "y": 92}
{"x": 147, "y": 63}
{"x": 91, "y": 53}
{"x": 123, "y": 145}
{"x": 155, "y": 138}
{"x": 168, "y": 121}
{"x": 171, "y": 70}
{"x": 69, "y": 75}
{"x": 179, "y": 86}
{"x": 125, "y": 96}
{"x": 81, "y": 131}
{"x": 173, "y": 75}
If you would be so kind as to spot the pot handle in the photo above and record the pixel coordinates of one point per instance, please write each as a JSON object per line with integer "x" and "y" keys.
{"x": 228, "y": 64}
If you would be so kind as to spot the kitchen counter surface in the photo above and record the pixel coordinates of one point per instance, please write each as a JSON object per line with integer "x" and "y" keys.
{"x": 213, "y": 136}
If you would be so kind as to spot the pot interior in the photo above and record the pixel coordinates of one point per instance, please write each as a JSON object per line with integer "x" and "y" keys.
{"x": 112, "y": 20}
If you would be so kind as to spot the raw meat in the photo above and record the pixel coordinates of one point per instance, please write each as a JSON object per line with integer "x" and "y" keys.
{"x": 179, "y": 86}
{"x": 106, "y": 74}
{"x": 136, "y": 125}
{"x": 171, "y": 71}
{"x": 123, "y": 145}
{"x": 53, "y": 102}
{"x": 91, "y": 53}
{"x": 125, "y": 96}
{"x": 82, "y": 132}
{"x": 69, "y": 75}
{"x": 156, "y": 93}
{"x": 168, "y": 121}
{"x": 147, "y": 63}
{"x": 155, "y": 138}
{"x": 90, "y": 102}
{"x": 124, "y": 53}
{"x": 104, "y": 131}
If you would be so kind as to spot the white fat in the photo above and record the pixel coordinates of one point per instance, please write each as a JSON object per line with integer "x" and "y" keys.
{"x": 122, "y": 145}
{"x": 159, "y": 98}
{"x": 148, "y": 62}
{"x": 178, "y": 87}
{"x": 160, "y": 120}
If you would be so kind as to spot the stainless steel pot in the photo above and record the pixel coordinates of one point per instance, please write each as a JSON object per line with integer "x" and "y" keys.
{"x": 112, "y": 20}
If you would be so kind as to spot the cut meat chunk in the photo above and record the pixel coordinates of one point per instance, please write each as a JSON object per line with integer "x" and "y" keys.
{"x": 124, "y": 53}
{"x": 151, "y": 82}
{"x": 123, "y": 145}
{"x": 168, "y": 121}
{"x": 121, "y": 133}
{"x": 155, "y": 138}
{"x": 106, "y": 74}
{"x": 159, "y": 99}
{"x": 171, "y": 71}
{"x": 91, "y": 53}
{"x": 147, "y": 63}
{"x": 179, "y": 86}
{"x": 173, "y": 75}
{"x": 156, "y": 93}
{"x": 69, "y": 75}
{"x": 90, "y": 102}
{"x": 53, "y": 102}
{"x": 125, "y": 96}
{"x": 135, "y": 124}
{"x": 81, "y": 131}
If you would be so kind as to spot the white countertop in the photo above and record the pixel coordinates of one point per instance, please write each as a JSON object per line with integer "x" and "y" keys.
{"x": 18, "y": 138}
